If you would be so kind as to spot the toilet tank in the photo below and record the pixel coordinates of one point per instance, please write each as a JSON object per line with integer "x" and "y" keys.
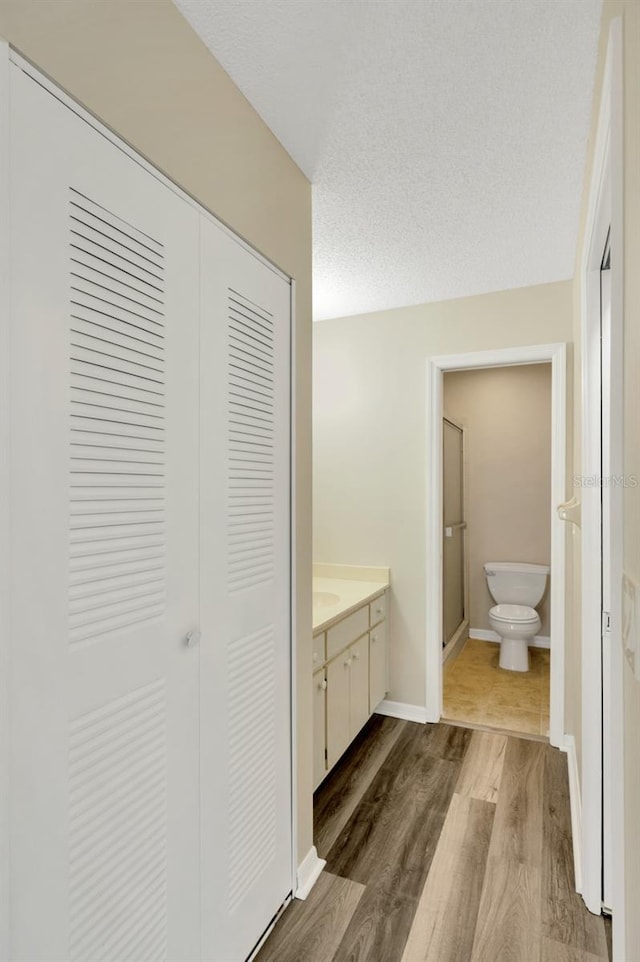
{"x": 516, "y": 583}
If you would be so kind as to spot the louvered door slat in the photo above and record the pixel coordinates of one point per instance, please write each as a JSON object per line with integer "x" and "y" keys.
{"x": 101, "y": 305}
{"x": 115, "y": 331}
{"x": 110, "y": 290}
{"x": 100, "y": 272}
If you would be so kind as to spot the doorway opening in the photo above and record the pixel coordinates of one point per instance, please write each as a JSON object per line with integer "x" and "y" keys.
{"x": 496, "y": 547}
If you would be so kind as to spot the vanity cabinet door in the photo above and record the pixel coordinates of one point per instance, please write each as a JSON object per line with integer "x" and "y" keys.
{"x": 377, "y": 665}
{"x": 359, "y": 709}
{"x": 337, "y": 705}
{"x": 319, "y": 727}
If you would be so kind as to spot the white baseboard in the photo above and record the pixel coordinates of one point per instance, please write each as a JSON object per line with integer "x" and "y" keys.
{"x": 309, "y": 871}
{"x": 483, "y": 634}
{"x": 399, "y": 709}
{"x": 576, "y": 807}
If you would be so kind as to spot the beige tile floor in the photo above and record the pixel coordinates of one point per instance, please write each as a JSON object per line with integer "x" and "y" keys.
{"x": 478, "y": 691}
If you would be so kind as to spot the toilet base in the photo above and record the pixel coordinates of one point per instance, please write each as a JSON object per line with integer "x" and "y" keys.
{"x": 514, "y": 654}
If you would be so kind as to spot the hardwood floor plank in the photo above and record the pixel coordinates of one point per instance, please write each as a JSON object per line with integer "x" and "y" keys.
{"x": 509, "y": 917}
{"x": 342, "y": 791}
{"x": 378, "y": 929}
{"x": 389, "y": 844}
{"x": 557, "y": 952}
{"x": 312, "y": 930}
{"x": 444, "y": 924}
{"x": 446, "y": 741}
{"x": 564, "y": 918}
{"x": 482, "y": 766}
{"x": 411, "y": 788}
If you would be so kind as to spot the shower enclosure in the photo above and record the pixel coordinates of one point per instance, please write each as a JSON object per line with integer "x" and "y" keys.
{"x": 454, "y": 620}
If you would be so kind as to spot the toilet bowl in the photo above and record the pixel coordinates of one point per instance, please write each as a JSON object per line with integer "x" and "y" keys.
{"x": 517, "y": 589}
{"x": 517, "y": 625}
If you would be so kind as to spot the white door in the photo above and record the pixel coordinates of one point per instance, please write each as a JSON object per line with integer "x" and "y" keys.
{"x": 104, "y": 549}
{"x": 245, "y": 595}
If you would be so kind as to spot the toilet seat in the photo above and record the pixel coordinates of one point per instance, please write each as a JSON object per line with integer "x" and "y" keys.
{"x": 514, "y": 614}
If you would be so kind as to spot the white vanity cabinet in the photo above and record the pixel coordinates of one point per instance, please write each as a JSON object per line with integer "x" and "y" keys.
{"x": 352, "y": 681}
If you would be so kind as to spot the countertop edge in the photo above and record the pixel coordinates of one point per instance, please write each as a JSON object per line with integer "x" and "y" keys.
{"x": 379, "y": 589}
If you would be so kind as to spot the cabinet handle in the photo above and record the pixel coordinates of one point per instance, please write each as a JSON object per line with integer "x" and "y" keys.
{"x": 347, "y": 663}
{"x": 374, "y": 638}
{"x": 378, "y": 611}
{"x": 322, "y": 685}
{"x": 356, "y": 654}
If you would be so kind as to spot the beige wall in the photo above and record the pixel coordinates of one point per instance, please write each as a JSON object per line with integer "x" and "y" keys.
{"x": 140, "y": 68}
{"x": 370, "y": 437}
{"x": 506, "y": 414}
{"x": 629, "y": 10}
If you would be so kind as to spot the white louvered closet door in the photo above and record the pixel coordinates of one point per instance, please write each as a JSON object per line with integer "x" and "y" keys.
{"x": 245, "y": 596}
{"x": 104, "y": 554}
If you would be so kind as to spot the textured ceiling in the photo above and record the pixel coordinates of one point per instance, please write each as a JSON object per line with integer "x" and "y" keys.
{"x": 445, "y": 139}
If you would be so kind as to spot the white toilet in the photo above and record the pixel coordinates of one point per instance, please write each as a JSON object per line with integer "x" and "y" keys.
{"x": 517, "y": 588}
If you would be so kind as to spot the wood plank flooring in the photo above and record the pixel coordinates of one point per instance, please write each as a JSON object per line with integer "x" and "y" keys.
{"x": 443, "y": 845}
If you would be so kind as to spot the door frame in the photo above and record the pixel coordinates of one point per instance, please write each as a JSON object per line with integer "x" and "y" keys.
{"x": 555, "y": 354}
{"x": 604, "y": 217}
{"x": 5, "y": 508}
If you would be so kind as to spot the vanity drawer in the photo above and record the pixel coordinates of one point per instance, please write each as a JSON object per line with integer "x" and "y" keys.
{"x": 378, "y": 610}
{"x": 347, "y": 630}
{"x": 319, "y": 654}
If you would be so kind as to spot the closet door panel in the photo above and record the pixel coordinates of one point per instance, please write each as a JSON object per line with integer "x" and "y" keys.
{"x": 104, "y": 552}
{"x": 245, "y": 594}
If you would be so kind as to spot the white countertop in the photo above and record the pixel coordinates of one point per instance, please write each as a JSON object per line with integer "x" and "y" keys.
{"x": 348, "y": 593}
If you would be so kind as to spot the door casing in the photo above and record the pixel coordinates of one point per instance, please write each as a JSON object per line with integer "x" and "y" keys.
{"x": 604, "y": 217}
{"x": 435, "y": 368}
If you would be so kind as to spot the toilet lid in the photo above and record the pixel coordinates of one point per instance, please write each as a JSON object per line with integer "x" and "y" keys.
{"x": 521, "y": 613}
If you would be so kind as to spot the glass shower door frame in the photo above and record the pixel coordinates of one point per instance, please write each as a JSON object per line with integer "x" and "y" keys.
{"x": 454, "y": 529}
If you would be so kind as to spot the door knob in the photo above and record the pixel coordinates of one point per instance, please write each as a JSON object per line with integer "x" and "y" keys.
{"x": 192, "y": 638}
